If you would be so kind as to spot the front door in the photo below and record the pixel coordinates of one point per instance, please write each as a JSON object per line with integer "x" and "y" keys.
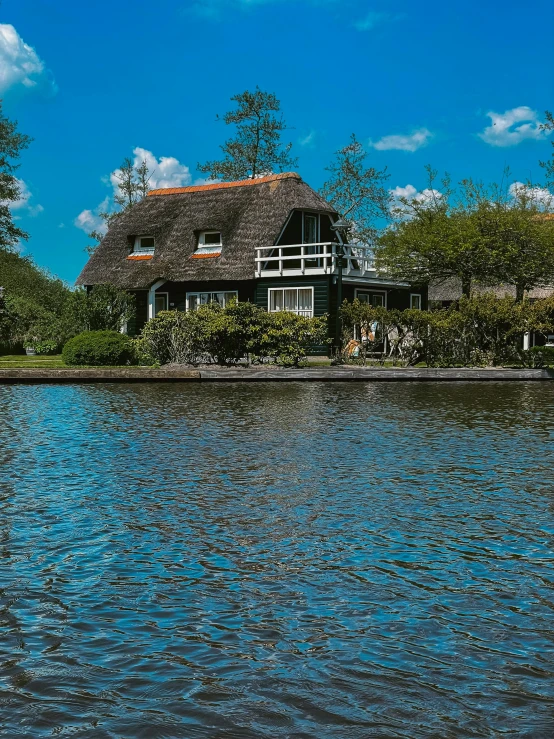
{"x": 161, "y": 303}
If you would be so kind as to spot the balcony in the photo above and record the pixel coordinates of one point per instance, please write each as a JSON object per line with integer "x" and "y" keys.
{"x": 293, "y": 260}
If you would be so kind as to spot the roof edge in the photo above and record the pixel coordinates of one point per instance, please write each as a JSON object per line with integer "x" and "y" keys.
{"x": 224, "y": 185}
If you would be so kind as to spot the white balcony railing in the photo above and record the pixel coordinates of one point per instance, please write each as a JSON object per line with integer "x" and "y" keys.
{"x": 291, "y": 260}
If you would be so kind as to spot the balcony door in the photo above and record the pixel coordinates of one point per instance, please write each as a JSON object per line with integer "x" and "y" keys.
{"x": 310, "y": 235}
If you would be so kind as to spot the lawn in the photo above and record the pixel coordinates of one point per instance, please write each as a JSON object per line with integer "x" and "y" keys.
{"x": 9, "y": 361}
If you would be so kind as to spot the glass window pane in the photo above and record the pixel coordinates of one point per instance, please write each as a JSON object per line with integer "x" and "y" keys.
{"x": 146, "y": 242}
{"x": 276, "y": 300}
{"x": 212, "y": 238}
{"x": 203, "y": 298}
{"x": 193, "y": 302}
{"x": 229, "y": 297}
{"x": 305, "y": 300}
{"x": 310, "y": 229}
{"x": 416, "y": 302}
{"x": 377, "y": 300}
{"x": 363, "y": 297}
{"x": 291, "y": 297}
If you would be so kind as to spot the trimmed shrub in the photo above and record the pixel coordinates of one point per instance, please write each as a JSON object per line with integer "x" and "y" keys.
{"x": 286, "y": 337}
{"x": 99, "y": 348}
{"x": 227, "y": 335}
{"x": 539, "y": 356}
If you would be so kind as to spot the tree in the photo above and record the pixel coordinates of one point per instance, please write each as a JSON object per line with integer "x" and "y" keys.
{"x": 132, "y": 187}
{"x": 519, "y": 235}
{"x": 488, "y": 235}
{"x": 12, "y": 143}
{"x": 357, "y": 191}
{"x": 433, "y": 238}
{"x": 548, "y": 166}
{"x": 256, "y": 150}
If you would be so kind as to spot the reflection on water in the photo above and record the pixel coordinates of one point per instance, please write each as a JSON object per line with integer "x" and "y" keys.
{"x": 299, "y": 560}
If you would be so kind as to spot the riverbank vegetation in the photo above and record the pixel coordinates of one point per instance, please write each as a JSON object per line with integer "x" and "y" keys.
{"x": 475, "y": 332}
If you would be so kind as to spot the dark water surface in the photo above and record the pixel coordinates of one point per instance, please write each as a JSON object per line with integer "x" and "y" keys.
{"x": 298, "y": 560}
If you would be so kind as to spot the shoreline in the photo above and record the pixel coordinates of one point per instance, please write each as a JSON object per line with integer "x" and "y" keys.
{"x": 37, "y": 376}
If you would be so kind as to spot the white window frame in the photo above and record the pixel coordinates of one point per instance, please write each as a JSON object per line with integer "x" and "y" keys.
{"x": 203, "y": 248}
{"x": 300, "y": 287}
{"x": 415, "y": 295}
{"x": 209, "y": 292}
{"x": 138, "y": 249}
{"x": 367, "y": 291}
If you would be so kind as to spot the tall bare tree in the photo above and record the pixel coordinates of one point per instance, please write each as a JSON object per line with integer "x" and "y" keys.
{"x": 357, "y": 191}
{"x": 256, "y": 149}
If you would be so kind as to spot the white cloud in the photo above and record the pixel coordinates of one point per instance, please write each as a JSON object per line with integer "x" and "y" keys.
{"x": 308, "y": 140}
{"x": 166, "y": 171}
{"x": 375, "y": 18}
{"x": 20, "y": 65}
{"x": 90, "y": 220}
{"x": 504, "y": 130}
{"x": 409, "y": 193}
{"x": 540, "y": 196}
{"x": 23, "y": 205}
{"x": 404, "y": 142}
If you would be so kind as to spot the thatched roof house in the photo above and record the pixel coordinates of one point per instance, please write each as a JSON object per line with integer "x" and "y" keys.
{"x": 248, "y": 214}
{"x": 268, "y": 240}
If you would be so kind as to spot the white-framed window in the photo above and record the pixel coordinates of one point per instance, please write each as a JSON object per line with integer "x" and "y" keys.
{"x": 222, "y": 298}
{"x": 209, "y": 242}
{"x": 415, "y": 301}
{"x": 144, "y": 245}
{"x": 373, "y": 297}
{"x": 299, "y": 300}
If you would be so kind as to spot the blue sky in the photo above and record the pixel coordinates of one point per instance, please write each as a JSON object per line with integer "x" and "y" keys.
{"x": 93, "y": 81}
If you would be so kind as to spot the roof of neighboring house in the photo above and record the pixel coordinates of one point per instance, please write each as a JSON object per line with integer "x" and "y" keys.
{"x": 248, "y": 213}
{"x": 452, "y": 290}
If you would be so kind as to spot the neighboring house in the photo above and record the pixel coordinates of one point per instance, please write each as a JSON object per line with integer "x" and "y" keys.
{"x": 267, "y": 240}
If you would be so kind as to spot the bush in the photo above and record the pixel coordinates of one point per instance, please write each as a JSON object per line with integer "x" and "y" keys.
{"x": 99, "y": 348}
{"x": 227, "y": 335}
{"x": 286, "y": 337}
{"x": 539, "y": 356}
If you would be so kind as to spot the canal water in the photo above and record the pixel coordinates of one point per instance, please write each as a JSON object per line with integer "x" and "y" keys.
{"x": 277, "y": 560}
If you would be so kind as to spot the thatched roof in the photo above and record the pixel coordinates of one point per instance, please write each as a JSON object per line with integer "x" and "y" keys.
{"x": 249, "y": 213}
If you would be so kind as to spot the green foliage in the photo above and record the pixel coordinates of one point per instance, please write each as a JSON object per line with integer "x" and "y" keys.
{"x": 487, "y": 235}
{"x": 99, "y": 348}
{"x": 256, "y": 150}
{"x": 285, "y": 337}
{"x": 357, "y": 192}
{"x": 227, "y": 335}
{"x": 478, "y": 331}
{"x": 539, "y": 356}
{"x": 105, "y": 308}
{"x": 12, "y": 143}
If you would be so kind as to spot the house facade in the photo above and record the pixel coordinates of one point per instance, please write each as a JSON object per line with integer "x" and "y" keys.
{"x": 269, "y": 241}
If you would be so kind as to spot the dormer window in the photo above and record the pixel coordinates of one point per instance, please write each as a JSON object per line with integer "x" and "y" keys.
{"x": 209, "y": 242}
{"x": 144, "y": 245}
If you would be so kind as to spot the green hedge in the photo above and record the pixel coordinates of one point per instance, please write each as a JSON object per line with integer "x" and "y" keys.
{"x": 99, "y": 348}
{"x": 540, "y": 356}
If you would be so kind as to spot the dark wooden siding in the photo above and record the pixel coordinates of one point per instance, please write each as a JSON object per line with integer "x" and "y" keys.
{"x": 178, "y": 290}
{"x": 136, "y": 324}
{"x": 321, "y": 297}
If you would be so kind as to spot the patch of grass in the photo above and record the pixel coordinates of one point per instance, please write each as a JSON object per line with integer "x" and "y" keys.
{"x": 12, "y": 361}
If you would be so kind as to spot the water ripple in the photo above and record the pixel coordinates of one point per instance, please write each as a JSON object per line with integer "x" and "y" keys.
{"x": 300, "y": 560}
